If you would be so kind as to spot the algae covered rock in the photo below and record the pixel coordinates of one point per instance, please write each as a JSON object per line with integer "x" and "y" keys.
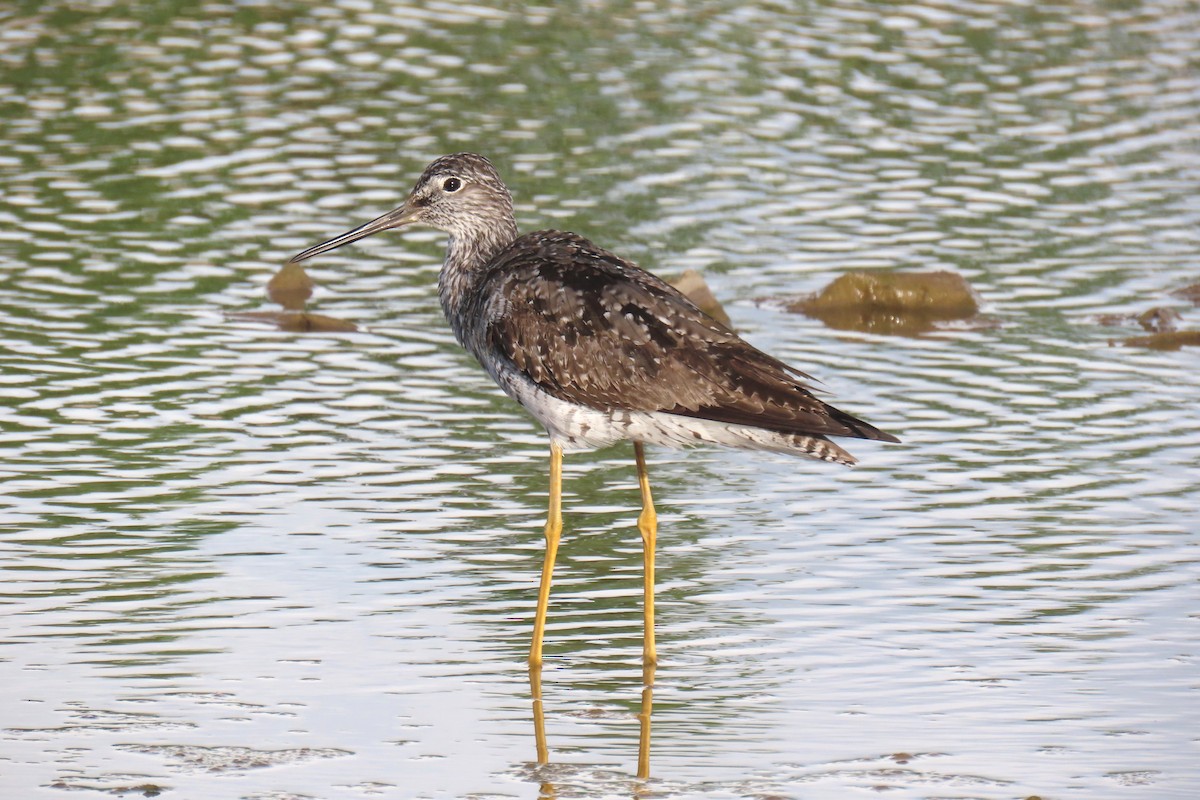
{"x": 1170, "y": 340}
{"x": 695, "y": 288}
{"x": 297, "y": 321}
{"x": 291, "y": 287}
{"x": 905, "y": 303}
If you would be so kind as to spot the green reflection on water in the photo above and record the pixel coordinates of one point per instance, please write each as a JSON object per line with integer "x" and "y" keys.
{"x": 159, "y": 160}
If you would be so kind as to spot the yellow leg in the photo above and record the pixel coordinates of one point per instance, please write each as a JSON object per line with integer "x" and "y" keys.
{"x": 643, "y": 770}
{"x": 539, "y": 714}
{"x": 648, "y": 526}
{"x": 553, "y": 533}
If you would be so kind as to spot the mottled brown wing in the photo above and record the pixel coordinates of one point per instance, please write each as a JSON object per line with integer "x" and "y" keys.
{"x": 593, "y": 329}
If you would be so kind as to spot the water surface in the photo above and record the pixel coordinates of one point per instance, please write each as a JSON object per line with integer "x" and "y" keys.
{"x": 240, "y": 562}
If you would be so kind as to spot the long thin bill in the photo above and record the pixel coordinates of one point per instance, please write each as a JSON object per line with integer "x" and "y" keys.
{"x": 393, "y": 219}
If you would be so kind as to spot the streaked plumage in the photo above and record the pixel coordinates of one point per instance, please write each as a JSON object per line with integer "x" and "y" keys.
{"x": 599, "y": 351}
{"x": 596, "y": 348}
{"x": 593, "y": 330}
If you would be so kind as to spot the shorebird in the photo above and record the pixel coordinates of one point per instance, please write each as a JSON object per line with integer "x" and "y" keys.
{"x": 600, "y": 351}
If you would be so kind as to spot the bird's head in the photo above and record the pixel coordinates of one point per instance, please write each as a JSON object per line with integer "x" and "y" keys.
{"x": 461, "y": 194}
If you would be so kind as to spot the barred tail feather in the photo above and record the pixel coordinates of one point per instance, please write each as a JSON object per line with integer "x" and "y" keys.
{"x": 821, "y": 448}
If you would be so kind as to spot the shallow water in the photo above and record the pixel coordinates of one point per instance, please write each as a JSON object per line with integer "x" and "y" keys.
{"x": 240, "y": 562}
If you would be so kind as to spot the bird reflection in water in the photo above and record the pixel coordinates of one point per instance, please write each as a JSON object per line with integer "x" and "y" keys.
{"x": 645, "y": 712}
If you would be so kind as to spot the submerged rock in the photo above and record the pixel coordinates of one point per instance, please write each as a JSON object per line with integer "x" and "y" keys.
{"x": 1191, "y": 293}
{"x": 904, "y": 303}
{"x": 1159, "y": 320}
{"x": 231, "y": 758}
{"x": 290, "y": 287}
{"x": 1155, "y": 320}
{"x": 1160, "y": 323}
{"x": 693, "y": 285}
{"x": 1170, "y": 340}
{"x": 297, "y": 321}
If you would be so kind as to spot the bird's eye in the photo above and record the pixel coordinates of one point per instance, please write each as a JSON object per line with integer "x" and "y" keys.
{"x": 451, "y": 185}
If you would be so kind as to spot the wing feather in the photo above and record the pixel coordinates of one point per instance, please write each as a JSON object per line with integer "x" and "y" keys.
{"x": 593, "y": 329}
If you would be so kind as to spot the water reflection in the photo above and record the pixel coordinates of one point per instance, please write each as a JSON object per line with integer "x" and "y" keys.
{"x": 645, "y": 715}
{"x": 291, "y": 288}
{"x": 215, "y": 534}
{"x": 648, "y": 529}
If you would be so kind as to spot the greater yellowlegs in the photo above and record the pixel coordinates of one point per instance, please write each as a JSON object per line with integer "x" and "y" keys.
{"x": 599, "y": 351}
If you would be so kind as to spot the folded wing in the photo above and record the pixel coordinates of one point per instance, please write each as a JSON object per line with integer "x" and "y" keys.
{"x": 593, "y": 329}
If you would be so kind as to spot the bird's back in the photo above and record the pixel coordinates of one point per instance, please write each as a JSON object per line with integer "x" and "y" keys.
{"x": 594, "y": 332}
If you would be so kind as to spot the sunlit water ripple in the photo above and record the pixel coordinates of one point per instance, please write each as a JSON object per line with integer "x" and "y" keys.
{"x": 227, "y": 547}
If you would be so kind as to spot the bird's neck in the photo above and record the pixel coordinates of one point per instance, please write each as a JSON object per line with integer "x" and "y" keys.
{"x": 467, "y": 257}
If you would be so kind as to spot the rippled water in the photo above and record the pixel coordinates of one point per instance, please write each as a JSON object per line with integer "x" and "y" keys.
{"x": 240, "y": 562}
